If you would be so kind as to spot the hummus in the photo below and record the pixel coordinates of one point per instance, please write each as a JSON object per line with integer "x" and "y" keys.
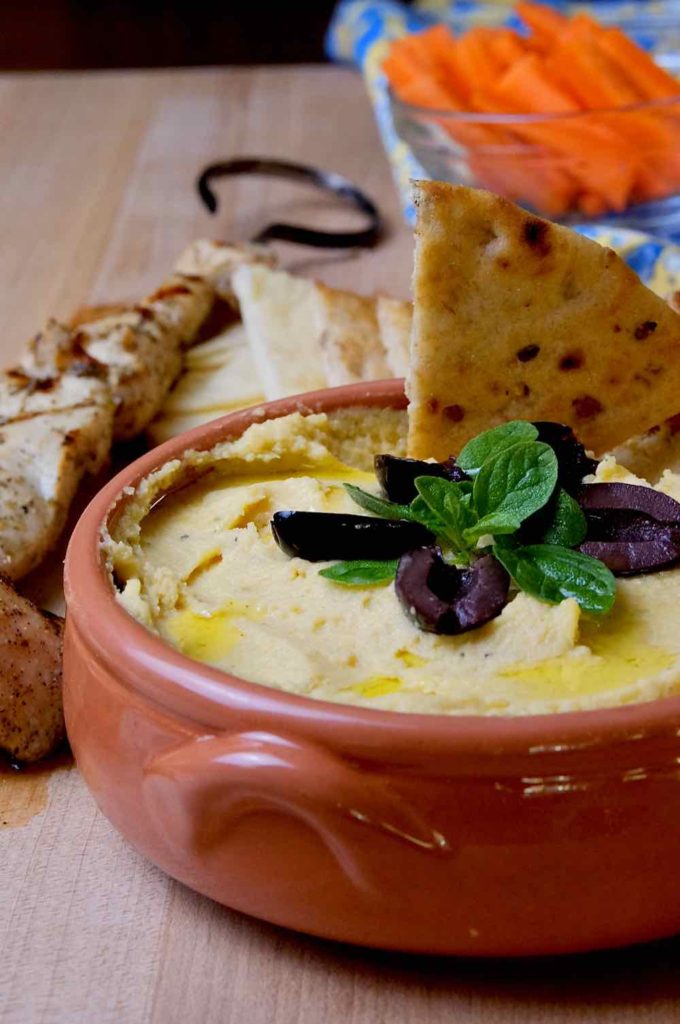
{"x": 194, "y": 560}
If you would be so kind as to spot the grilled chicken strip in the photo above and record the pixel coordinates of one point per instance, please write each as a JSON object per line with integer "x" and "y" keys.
{"x": 215, "y": 263}
{"x": 138, "y": 352}
{"x": 77, "y": 389}
{"x": 52, "y": 432}
{"x": 31, "y": 713}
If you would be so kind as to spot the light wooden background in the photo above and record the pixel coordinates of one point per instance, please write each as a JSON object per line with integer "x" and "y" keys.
{"x": 96, "y": 200}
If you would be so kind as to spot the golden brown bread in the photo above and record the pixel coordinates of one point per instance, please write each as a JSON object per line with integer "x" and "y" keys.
{"x": 518, "y": 318}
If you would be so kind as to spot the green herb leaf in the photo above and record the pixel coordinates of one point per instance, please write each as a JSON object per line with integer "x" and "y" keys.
{"x": 554, "y": 573}
{"x": 569, "y": 526}
{"x": 379, "y": 506}
{"x": 449, "y": 506}
{"x": 424, "y": 515}
{"x": 512, "y": 486}
{"x": 361, "y": 573}
{"x": 493, "y": 442}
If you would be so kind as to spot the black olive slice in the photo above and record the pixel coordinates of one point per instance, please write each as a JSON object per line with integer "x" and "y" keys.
{"x": 441, "y": 598}
{"x": 630, "y": 542}
{"x": 321, "y": 536}
{"x": 633, "y": 497}
{"x": 621, "y": 524}
{"x": 397, "y": 476}
{"x": 572, "y": 460}
{"x": 630, "y": 557}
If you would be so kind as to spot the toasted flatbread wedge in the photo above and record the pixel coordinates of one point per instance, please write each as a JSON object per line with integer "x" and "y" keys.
{"x": 649, "y": 455}
{"x": 213, "y": 384}
{"x": 52, "y": 433}
{"x": 213, "y": 352}
{"x": 395, "y": 319}
{"x": 350, "y": 340}
{"x": 166, "y": 426}
{"x": 515, "y": 317}
{"x": 282, "y": 318}
{"x": 218, "y": 388}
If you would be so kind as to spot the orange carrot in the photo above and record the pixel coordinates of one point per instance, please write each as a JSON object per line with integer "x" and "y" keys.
{"x": 507, "y": 47}
{"x": 475, "y": 56}
{"x": 411, "y": 81}
{"x": 545, "y": 23}
{"x": 643, "y": 72}
{"x": 587, "y": 72}
{"x": 527, "y": 87}
{"x": 614, "y": 152}
{"x": 441, "y": 47}
{"x": 591, "y": 204}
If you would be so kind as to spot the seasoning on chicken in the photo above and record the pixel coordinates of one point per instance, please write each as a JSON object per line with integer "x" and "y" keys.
{"x": 31, "y": 713}
{"x": 53, "y": 431}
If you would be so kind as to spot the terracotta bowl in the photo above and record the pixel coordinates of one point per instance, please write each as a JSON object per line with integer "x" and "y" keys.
{"x": 468, "y": 835}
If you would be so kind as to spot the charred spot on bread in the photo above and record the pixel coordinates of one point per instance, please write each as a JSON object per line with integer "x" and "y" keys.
{"x": 529, "y": 352}
{"x": 454, "y": 413}
{"x": 572, "y": 360}
{"x": 536, "y": 234}
{"x": 644, "y": 329}
{"x": 586, "y": 407}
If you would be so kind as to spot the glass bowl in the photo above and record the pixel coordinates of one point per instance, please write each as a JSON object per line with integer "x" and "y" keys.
{"x": 620, "y": 166}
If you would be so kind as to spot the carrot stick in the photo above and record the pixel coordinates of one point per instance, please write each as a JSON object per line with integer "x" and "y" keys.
{"x": 581, "y": 67}
{"x": 508, "y": 47}
{"x": 527, "y": 87}
{"x": 441, "y": 47}
{"x": 475, "y": 57}
{"x": 546, "y": 23}
{"x": 651, "y": 81}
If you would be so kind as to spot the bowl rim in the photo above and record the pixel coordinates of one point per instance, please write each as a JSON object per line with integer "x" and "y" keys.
{"x": 147, "y": 665}
{"x": 508, "y": 119}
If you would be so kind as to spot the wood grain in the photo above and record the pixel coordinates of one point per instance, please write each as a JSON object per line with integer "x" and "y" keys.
{"x": 97, "y": 201}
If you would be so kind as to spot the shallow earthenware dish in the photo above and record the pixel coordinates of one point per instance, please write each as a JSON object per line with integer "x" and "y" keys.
{"x": 466, "y": 835}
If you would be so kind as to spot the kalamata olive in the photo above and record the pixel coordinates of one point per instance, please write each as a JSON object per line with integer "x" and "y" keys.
{"x": 631, "y": 557}
{"x": 572, "y": 460}
{"x": 321, "y": 536}
{"x": 631, "y": 528}
{"x": 397, "y": 476}
{"x": 633, "y": 497}
{"x": 442, "y": 598}
{"x": 621, "y": 524}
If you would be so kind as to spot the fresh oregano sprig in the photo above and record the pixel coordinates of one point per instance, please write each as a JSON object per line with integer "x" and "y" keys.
{"x": 362, "y": 573}
{"x": 514, "y": 476}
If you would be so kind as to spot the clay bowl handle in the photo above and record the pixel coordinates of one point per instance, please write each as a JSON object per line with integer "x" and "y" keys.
{"x": 211, "y": 782}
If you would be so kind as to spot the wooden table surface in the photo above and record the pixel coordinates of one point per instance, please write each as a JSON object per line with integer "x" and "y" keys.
{"x": 96, "y": 201}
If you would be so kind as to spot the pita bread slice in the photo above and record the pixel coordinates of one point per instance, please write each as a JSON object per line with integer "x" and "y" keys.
{"x": 395, "y": 319}
{"x": 515, "y": 317}
{"x": 219, "y": 377}
{"x": 281, "y": 314}
{"x": 230, "y": 385}
{"x": 352, "y": 349}
{"x": 164, "y": 427}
